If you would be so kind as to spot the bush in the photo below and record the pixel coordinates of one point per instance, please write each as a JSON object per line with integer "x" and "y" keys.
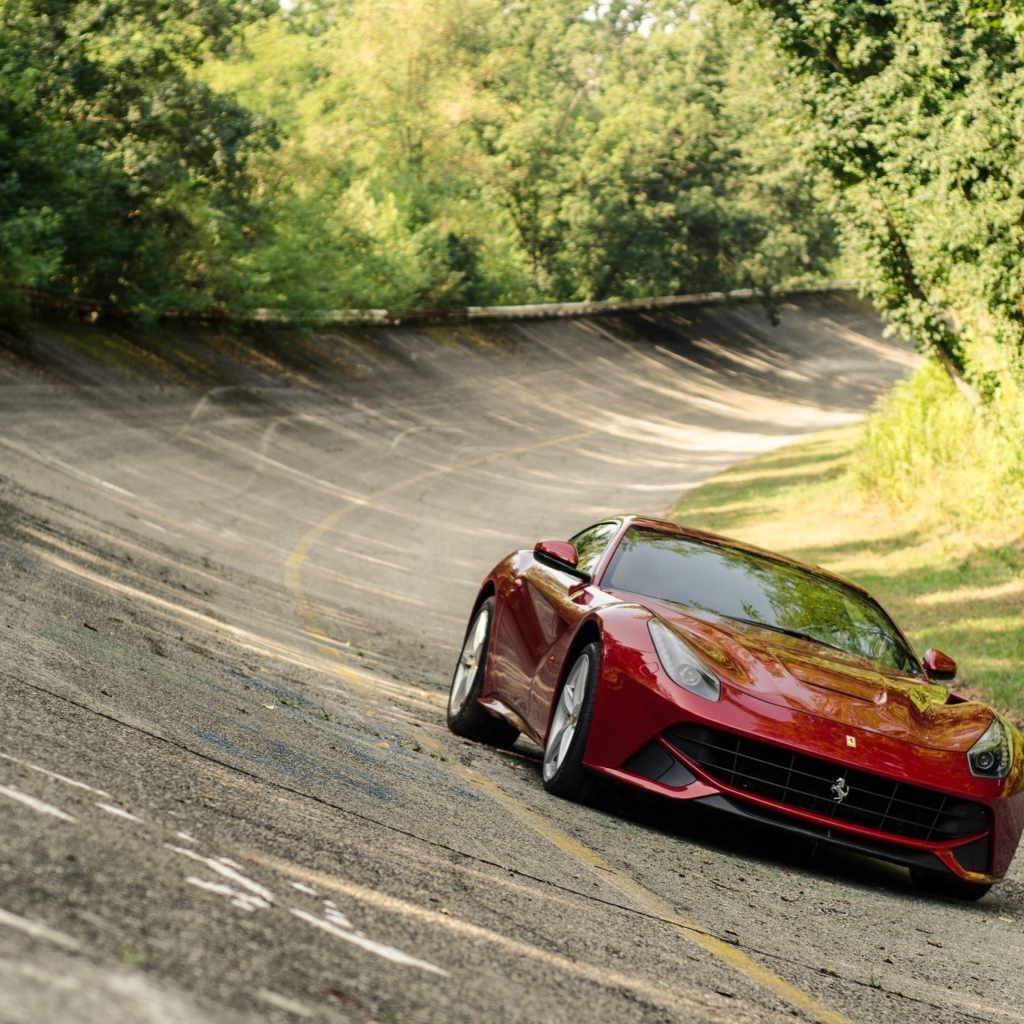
{"x": 927, "y": 447}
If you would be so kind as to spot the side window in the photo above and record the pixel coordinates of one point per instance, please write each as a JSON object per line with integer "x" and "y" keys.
{"x": 591, "y": 543}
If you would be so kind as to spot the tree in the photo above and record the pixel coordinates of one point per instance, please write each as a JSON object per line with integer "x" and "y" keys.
{"x": 634, "y": 157}
{"x": 914, "y": 111}
{"x": 121, "y": 176}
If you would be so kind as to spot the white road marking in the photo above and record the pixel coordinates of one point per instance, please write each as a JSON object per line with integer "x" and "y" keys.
{"x": 38, "y": 930}
{"x": 54, "y": 775}
{"x": 305, "y": 888}
{"x": 335, "y": 916}
{"x": 242, "y": 900}
{"x": 292, "y": 1006}
{"x": 379, "y": 948}
{"x": 118, "y": 812}
{"x": 228, "y": 869}
{"x": 37, "y": 805}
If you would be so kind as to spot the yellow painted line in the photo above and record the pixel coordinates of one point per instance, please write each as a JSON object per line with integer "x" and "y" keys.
{"x": 640, "y": 896}
{"x": 692, "y": 1003}
{"x": 299, "y": 554}
{"x": 649, "y": 901}
{"x": 244, "y": 638}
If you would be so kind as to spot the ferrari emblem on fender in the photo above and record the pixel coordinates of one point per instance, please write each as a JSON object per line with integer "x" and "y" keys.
{"x": 840, "y": 790}
{"x": 851, "y": 741}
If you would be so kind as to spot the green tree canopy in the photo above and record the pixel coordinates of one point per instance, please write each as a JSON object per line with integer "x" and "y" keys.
{"x": 120, "y": 172}
{"x": 916, "y": 112}
{"x": 400, "y": 153}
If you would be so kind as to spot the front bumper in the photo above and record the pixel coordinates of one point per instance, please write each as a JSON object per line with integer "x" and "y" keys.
{"x": 956, "y": 822}
{"x": 925, "y": 829}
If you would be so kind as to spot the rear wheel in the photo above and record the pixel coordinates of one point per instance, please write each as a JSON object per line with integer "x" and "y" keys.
{"x": 562, "y": 771}
{"x": 465, "y": 716}
{"x": 942, "y": 883}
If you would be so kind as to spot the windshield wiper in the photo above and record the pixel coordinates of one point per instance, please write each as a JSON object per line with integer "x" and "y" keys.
{"x": 788, "y": 632}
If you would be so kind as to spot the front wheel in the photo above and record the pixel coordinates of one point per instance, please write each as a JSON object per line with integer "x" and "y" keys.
{"x": 563, "y": 771}
{"x": 465, "y": 716}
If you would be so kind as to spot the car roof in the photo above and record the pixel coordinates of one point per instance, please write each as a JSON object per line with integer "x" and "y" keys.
{"x": 631, "y": 519}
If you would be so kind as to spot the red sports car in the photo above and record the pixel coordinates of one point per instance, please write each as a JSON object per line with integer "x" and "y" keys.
{"x": 699, "y": 668}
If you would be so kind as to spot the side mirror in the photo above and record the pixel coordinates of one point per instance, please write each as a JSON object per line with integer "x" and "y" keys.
{"x": 940, "y": 667}
{"x": 558, "y": 551}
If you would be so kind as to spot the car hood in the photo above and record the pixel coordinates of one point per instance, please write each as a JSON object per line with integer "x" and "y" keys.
{"x": 828, "y": 683}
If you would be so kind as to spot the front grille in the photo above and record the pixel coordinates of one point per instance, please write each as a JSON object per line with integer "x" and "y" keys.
{"x": 811, "y": 784}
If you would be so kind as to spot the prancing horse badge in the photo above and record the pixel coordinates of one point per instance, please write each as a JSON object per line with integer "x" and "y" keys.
{"x": 840, "y": 790}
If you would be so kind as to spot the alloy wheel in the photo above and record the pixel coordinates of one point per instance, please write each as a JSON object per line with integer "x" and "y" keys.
{"x": 566, "y": 717}
{"x": 469, "y": 662}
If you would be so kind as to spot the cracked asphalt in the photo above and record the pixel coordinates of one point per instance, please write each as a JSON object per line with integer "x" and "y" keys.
{"x": 229, "y": 613}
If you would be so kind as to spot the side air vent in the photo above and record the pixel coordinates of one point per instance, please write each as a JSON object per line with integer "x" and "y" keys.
{"x": 654, "y": 762}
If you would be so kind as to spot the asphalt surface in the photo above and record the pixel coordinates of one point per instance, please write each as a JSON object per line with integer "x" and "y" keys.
{"x": 229, "y": 615}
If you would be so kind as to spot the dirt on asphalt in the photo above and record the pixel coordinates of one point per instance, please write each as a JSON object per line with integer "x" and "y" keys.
{"x": 230, "y": 604}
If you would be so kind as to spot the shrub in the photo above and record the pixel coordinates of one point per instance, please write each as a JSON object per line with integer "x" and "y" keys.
{"x": 926, "y": 447}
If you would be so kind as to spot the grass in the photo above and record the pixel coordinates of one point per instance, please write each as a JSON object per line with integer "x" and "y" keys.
{"x": 952, "y": 584}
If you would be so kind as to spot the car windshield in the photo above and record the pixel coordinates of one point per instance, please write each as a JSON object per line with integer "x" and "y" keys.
{"x": 751, "y": 588}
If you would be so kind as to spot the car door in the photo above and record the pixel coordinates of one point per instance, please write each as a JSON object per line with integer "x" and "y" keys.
{"x": 536, "y": 613}
{"x": 524, "y": 626}
{"x": 558, "y": 601}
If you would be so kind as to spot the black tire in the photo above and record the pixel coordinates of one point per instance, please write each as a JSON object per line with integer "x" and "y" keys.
{"x": 942, "y": 883}
{"x": 465, "y": 716}
{"x": 564, "y": 774}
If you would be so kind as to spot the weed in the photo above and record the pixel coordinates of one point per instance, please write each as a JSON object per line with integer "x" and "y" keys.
{"x": 926, "y": 445}
{"x": 132, "y": 956}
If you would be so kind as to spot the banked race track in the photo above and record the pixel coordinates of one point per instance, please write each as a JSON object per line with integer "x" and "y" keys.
{"x": 229, "y": 615}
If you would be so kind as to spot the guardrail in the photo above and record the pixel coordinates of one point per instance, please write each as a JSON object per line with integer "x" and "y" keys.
{"x": 540, "y": 311}
{"x": 94, "y": 309}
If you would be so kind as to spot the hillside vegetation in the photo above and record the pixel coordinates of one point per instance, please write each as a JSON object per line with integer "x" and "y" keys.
{"x": 391, "y": 153}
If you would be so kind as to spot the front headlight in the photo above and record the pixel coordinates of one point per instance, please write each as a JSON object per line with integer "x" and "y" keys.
{"x": 992, "y": 756}
{"x": 681, "y": 664}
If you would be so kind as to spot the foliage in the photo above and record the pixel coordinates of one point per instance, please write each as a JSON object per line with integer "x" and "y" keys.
{"x": 914, "y": 108}
{"x": 464, "y": 153}
{"x": 369, "y": 153}
{"x": 635, "y": 158}
{"x": 926, "y": 446}
{"x": 122, "y": 177}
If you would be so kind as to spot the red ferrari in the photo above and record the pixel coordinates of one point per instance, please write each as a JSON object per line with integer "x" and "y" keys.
{"x": 699, "y": 668}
